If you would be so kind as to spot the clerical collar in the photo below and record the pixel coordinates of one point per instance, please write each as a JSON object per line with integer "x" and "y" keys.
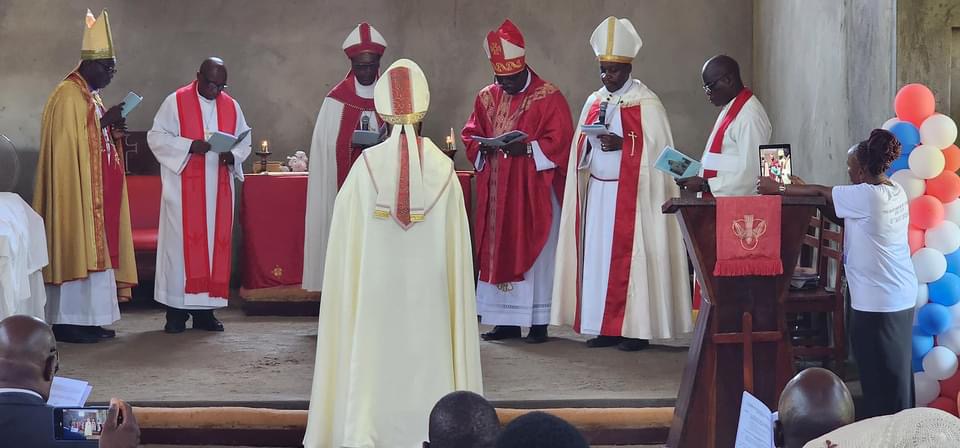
{"x": 362, "y": 90}
{"x": 529, "y": 78}
{"x": 13, "y": 390}
{"x": 622, "y": 90}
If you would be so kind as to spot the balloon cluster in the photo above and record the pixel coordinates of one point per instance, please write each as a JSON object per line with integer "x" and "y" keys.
{"x": 927, "y": 172}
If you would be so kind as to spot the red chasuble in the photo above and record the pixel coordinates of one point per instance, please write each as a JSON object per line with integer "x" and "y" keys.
{"x": 353, "y": 106}
{"x": 514, "y": 211}
{"x": 200, "y": 278}
{"x": 625, "y": 218}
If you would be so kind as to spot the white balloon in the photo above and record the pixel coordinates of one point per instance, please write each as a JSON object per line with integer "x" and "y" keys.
{"x": 926, "y": 389}
{"x": 952, "y": 211}
{"x": 926, "y": 161}
{"x": 912, "y": 185}
{"x": 929, "y": 264}
{"x": 940, "y": 363}
{"x": 889, "y": 123}
{"x": 923, "y": 295}
{"x": 938, "y": 130}
{"x": 950, "y": 339}
{"x": 945, "y": 237}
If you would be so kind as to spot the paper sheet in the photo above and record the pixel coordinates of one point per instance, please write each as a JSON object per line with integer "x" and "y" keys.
{"x": 755, "y": 429}
{"x": 69, "y": 393}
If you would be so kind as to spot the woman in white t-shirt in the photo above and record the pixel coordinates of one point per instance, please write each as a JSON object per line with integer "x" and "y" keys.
{"x": 883, "y": 286}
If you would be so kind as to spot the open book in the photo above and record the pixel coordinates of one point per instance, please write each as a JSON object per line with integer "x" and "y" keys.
{"x": 755, "y": 429}
{"x": 501, "y": 140}
{"x": 221, "y": 142}
{"x": 594, "y": 130}
{"x": 130, "y": 102}
{"x": 68, "y": 393}
{"x": 677, "y": 164}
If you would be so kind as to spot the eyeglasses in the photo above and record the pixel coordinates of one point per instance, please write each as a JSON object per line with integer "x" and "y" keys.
{"x": 107, "y": 67}
{"x": 56, "y": 355}
{"x": 708, "y": 87}
{"x": 220, "y": 87}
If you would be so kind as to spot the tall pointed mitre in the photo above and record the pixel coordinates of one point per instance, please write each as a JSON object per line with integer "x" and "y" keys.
{"x": 402, "y": 98}
{"x": 97, "y": 38}
{"x": 505, "y": 49}
{"x": 364, "y": 39}
{"x": 615, "y": 40}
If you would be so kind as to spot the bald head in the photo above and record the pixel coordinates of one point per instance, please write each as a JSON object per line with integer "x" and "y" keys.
{"x": 463, "y": 420}
{"x": 721, "y": 79}
{"x": 28, "y": 354}
{"x": 211, "y": 78}
{"x": 814, "y": 403}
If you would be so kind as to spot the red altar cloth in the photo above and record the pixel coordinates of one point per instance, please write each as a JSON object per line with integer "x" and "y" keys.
{"x": 272, "y": 213}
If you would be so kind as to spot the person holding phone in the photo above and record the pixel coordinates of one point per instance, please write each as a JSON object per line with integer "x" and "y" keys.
{"x": 875, "y": 214}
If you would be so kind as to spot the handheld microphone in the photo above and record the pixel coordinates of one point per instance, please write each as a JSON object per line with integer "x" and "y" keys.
{"x": 602, "y": 119}
{"x": 364, "y": 123}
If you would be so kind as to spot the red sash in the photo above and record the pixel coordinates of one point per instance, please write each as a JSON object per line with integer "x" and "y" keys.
{"x": 353, "y": 107}
{"x": 625, "y": 219}
{"x": 717, "y": 143}
{"x": 200, "y": 278}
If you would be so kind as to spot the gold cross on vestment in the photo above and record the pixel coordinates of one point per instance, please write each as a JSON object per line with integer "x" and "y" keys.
{"x": 633, "y": 142}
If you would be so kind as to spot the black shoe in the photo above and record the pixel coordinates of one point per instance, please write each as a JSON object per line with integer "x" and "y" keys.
{"x": 100, "y": 332}
{"x": 176, "y": 321}
{"x": 205, "y": 320}
{"x": 633, "y": 345}
{"x": 603, "y": 341}
{"x": 74, "y": 334}
{"x": 501, "y": 332}
{"x": 537, "y": 335}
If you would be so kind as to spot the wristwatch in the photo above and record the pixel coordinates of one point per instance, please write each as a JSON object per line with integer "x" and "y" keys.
{"x": 529, "y": 148}
{"x": 782, "y": 189}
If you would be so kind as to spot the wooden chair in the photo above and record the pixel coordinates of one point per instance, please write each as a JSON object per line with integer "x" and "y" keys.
{"x": 824, "y": 338}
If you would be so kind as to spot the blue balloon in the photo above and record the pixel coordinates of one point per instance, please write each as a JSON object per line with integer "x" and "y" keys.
{"x": 933, "y": 319}
{"x": 905, "y": 150}
{"x": 917, "y": 365}
{"x": 906, "y": 133}
{"x": 953, "y": 262}
{"x": 922, "y": 343}
{"x": 946, "y": 290}
{"x": 901, "y": 163}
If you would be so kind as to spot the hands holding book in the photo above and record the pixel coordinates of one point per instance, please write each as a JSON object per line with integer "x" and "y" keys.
{"x": 611, "y": 142}
{"x": 694, "y": 184}
{"x": 199, "y": 147}
{"x": 112, "y": 116}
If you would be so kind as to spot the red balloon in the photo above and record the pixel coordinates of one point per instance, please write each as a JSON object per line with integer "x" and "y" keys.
{"x": 945, "y": 187}
{"x": 950, "y": 387}
{"x": 914, "y": 103}
{"x": 944, "y": 404}
{"x": 916, "y": 238}
{"x": 951, "y": 157}
{"x": 926, "y": 212}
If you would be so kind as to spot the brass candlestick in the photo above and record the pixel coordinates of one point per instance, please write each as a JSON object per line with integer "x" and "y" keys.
{"x": 264, "y": 154}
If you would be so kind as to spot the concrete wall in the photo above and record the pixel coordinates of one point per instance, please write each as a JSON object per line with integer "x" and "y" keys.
{"x": 284, "y": 56}
{"x": 928, "y": 43}
{"x": 824, "y": 69}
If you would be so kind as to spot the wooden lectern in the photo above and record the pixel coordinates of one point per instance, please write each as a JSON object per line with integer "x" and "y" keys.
{"x": 740, "y": 341}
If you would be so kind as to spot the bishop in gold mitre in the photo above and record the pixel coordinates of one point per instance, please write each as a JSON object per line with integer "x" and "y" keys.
{"x": 398, "y": 269}
{"x": 81, "y": 194}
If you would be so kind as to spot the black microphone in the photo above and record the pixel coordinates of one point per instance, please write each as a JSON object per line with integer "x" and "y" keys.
{"x": 364, "y": 123}
{"x": 603, "y": 114}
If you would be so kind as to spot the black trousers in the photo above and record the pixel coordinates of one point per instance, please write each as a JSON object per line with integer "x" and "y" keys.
{"x": 881, "y": 344}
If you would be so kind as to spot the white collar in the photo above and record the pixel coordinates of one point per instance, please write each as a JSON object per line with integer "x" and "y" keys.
{"x": 622, "y": 90}
{"x": 529, "y": 78}
{"x": 13, "y": 390}
{"x": 362, "y": 90}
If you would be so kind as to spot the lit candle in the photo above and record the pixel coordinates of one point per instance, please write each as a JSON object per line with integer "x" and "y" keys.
{"x": 450, "y": 140}
{"x": 264, "y": 146}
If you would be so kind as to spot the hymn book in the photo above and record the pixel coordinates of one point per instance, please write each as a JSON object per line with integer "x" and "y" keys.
{"x": 67, "y": 393}
{"x": 756, "y": 427}
{"x": 501, "y": 140}
{"x": 221, "y": 142}
{"x": 130, "y": 102}
{"x": 677, "y": 164}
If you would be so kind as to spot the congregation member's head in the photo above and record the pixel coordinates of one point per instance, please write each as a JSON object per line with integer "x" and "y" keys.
{"x": 918, "y": 427}
{"x": 540, "y": 430}
{"x": 506, "y": 51}
{"x": 463, "y": 419}
{"x": 812, "y": 404}
{"x": 870, "y": 159}
{"x": 211, "y": 78}
{"x": 616, "y": 43}
{"x": 98, "y": 61}
{"x": 721, "y": 79}
{"x": 365, "y": 46}
{"x": 28, "y": 355}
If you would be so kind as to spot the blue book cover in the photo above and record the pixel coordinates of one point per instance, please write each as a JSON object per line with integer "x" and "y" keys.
{"x": 677, "y": 164}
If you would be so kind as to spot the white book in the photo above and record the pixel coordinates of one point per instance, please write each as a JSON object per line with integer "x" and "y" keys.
{"x": 69, "y": 393}
{"x": 755, "y": 429}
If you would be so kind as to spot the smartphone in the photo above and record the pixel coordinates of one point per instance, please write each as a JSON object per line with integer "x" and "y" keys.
{"x": 79, "y": 423}
{"x": 775, "y": 162}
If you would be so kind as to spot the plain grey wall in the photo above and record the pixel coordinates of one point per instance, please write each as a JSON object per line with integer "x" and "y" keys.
{"x": 825, "y": 72}
{"x": 284, "y": 56}
{"x": 928, "y": 34}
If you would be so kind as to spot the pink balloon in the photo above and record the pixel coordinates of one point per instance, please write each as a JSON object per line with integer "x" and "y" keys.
{"x": 945, "y": 187}
{"x": 944, "y": 404}
{"x": 950, "y": 387}
{"x": 916, "y": 238}
{"x": 914, "y": 103}
{"x": 926, "y": 212}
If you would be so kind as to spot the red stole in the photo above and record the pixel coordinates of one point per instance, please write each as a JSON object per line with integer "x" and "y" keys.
{"x": 200, "y": 278}
{"x": 353, "y": 107}
{"x": 625, "y": 218}
{"x": 717, "y": 143}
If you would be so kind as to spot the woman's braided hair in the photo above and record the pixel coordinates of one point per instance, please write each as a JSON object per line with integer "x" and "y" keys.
{"x": 878, "y": 152}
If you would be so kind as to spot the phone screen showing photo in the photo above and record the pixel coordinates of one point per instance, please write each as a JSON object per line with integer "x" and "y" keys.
{"x": 80, "y": 423}
{"x": 775, "y": 162}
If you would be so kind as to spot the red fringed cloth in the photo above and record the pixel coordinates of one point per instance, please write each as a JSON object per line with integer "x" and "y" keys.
{"x": 748, "y": 236}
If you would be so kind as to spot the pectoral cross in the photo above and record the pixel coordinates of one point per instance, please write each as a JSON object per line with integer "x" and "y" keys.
{"x": 633, "y": 142}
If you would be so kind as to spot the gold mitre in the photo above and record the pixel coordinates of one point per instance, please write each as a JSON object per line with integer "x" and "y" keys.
{"x": 97, "y": 38}
{"x": 402, "y": 95}
{"x": 615, "y": 40}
